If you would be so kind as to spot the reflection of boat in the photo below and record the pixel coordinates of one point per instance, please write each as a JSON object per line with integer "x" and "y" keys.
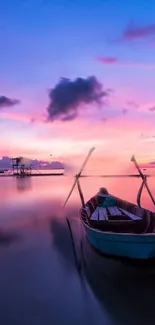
{"x": 119, "y": 228}
{"x": 61, "y": 242}
{"x": 125, "y": 291}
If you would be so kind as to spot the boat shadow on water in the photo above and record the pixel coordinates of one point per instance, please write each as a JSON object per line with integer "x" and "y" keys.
{"x": 124, "y": 289}
{"x": 8, "y": 238}
{"x": 61, "y": 240}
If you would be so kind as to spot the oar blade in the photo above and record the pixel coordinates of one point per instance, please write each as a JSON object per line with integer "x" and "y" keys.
{"x": 85, "y": 161}
{"x": 133, "y": 159}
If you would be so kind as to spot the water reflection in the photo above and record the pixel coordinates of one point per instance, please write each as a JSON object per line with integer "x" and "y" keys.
{"x": 7, "y": 238}
{"x": 23, "y": 183}
{"x": 61, "y": 242}
{"x": 126, "y": 291}
{"x": 37, "y": 189}
{"x": 39, "y": 280}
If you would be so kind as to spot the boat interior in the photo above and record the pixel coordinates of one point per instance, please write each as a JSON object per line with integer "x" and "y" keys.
{"x": 119, "y": 216}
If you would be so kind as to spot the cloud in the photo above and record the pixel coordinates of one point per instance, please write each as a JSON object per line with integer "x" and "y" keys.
{"x": 149, "y": 139}
{"x": 68, "y": 96}
{"x": 133, "y": 104}
{"x": 7, "y": 102}
{"x": 32, "y": 120}
{"x": 152, "y": 163}
{"x": 23, "y": 117}
{"x": 124, "y": 110}
{"x": 151, "y": 109}
{"x": 148, "y": 106}
{"x": 107, "y": 60}
{"x": 131, "y": 64}
{"x": 133, "y": 32}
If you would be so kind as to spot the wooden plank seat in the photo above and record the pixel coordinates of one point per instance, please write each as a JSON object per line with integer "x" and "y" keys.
{"x": 130, "y": 215}
{"x": 112, "y": 213}
{"x": 115, "y": 219}
{"x": 99, "y": 214}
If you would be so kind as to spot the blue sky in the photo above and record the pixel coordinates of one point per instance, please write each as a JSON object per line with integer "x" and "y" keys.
{"x": 40, "y": 38}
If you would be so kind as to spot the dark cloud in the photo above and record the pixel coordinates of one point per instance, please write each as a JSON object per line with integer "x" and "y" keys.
{"x": 7, "y": 102}
{"x": 133, "y": 32}
{"x": 67, "y": 97}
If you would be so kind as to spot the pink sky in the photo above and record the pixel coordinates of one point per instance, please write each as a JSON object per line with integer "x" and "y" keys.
{"x": 115, "y": 139}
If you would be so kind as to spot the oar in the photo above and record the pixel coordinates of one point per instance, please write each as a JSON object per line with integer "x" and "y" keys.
{"x": 140, "y": 191}
{"x": 80, "y": 193}
{"x": 79, "y": 174}
{"x": 143, "y": 178}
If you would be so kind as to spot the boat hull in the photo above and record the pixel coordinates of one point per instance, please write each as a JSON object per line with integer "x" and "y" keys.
{"x": 123, "y": 245}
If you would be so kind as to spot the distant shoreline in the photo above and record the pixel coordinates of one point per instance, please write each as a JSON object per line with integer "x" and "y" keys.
{"x": 31, "y": 175}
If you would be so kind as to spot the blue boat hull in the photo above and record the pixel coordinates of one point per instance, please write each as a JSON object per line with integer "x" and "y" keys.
{"x": 124, "y": 245}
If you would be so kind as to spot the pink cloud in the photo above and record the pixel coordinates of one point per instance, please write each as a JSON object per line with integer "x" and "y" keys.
{"x": 115, "y": 143}
{"x": 152, "y": 109}
{"x": 132, "y": 32}
{"x": 21, "y": 117}
{"x": 107, "y": 60}
{"x": 133, "y": 104}
{"x": 116, "y": 62}
{"x": 114, "y": 136}
{"x": 124, "y": 110}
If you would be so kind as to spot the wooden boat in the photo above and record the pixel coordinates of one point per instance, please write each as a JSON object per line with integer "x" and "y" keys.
{"x": 116, "y": 227}
{"x": 119, "y": 228}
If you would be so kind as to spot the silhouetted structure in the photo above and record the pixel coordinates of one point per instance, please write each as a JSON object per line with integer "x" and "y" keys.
{"x": 25, "y": 171}
{"x": 15, "y": 165}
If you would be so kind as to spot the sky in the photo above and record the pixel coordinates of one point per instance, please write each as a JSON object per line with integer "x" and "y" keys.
{"x": 78, "y": 74}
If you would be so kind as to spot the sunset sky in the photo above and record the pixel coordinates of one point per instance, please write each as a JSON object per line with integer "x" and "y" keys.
{"x": 109, "y": 40}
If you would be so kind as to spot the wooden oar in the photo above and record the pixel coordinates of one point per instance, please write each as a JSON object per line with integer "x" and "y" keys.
{"x": 80, "y": 193}
{"x": 140, "y": 191}
{"x": 143, "y": 178}
{"x": 79, "y": 174}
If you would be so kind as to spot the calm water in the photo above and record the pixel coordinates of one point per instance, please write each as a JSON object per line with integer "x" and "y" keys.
{"x": 39, "y": 282}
